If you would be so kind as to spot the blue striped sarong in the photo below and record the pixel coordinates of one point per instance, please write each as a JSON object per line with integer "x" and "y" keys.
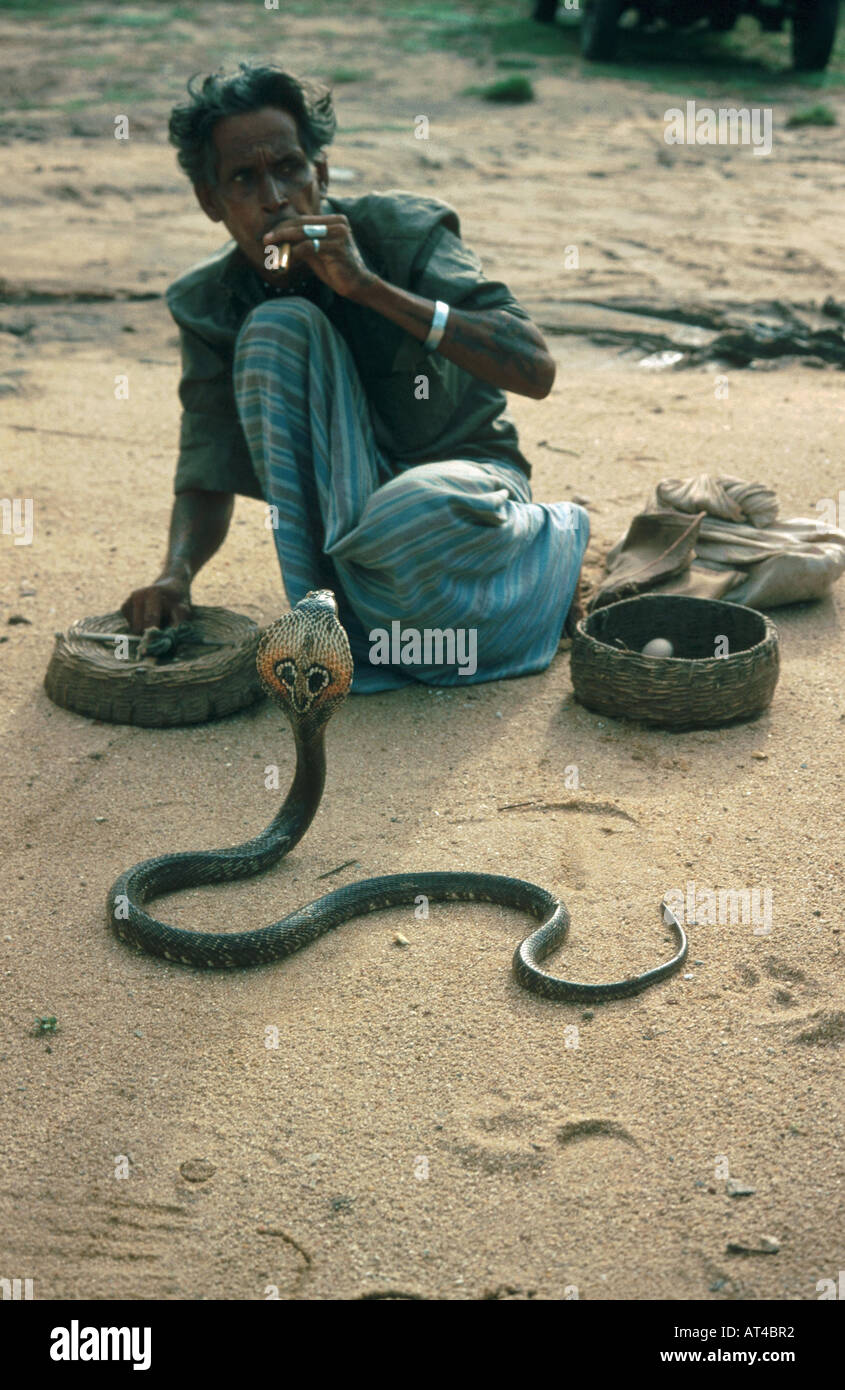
{"x": 456, "y": 547}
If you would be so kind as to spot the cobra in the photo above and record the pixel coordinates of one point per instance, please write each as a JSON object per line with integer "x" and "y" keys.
{"x": 305, "y": 664}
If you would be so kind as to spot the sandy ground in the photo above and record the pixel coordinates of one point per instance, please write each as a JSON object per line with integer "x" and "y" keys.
{"x": 423, "y": 1126}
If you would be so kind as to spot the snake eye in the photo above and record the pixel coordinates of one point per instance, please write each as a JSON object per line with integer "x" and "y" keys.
{"x": 317, "y": 679}
{"x": 286, "y": 673}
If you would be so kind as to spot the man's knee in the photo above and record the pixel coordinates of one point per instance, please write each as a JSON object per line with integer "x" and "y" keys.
{"x": 414, "y": 489}
{"x": 404, "y": 486}
{"x": 290, "y": 317}
{"x": 438, "y": 482}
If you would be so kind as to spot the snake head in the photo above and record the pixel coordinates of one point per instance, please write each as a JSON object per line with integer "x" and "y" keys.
{"x": 304, "y": 663}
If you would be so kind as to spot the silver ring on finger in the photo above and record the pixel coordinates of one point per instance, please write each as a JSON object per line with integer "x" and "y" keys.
{"x": 315, "y": 229}
{"x": 315, "y": 243}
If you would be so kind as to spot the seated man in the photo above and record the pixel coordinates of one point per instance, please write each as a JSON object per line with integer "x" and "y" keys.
{"x": 346, "y": 361}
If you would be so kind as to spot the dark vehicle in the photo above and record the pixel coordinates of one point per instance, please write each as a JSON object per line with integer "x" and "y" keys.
{"x": 813, "y": 22}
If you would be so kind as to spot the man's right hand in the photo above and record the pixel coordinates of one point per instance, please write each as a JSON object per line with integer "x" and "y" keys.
{"x": 166, "y": 603}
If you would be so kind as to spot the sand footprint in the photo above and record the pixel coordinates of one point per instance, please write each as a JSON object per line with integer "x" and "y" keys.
{"x": 789, "y": 1000}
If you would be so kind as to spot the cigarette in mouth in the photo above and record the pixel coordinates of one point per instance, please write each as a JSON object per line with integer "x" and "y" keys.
{"x": 284, "y": 255}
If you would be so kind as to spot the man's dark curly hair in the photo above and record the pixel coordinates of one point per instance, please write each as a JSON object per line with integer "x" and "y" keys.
{"x": 251, "y": 87}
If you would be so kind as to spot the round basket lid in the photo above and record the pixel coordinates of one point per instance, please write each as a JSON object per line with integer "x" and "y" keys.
{"x": 207, "y": 678}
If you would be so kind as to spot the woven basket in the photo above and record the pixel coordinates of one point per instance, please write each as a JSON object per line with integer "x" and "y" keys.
{"x": 693, "y": 688}
{"x": 201, "y": 683}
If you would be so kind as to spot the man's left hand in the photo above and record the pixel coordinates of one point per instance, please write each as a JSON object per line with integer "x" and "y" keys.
{"x": 338, "y": 263}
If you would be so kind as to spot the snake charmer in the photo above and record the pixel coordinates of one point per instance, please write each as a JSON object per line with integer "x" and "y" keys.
{"x": 346, "y": 360}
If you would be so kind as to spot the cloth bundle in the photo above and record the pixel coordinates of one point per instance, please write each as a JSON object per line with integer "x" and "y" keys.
{"x": 719, "y": 537}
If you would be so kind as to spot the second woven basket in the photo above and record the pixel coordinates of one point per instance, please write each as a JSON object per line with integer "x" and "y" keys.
{"x": 725, "y": 664}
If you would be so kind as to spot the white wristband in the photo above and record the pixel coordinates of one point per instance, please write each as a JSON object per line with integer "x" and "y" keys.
{"x": 438, "y": 324}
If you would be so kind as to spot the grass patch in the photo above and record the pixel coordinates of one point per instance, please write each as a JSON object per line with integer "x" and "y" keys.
{"x": 446, "y": 15}
{"x": 524, "y": 36}
{"x": 372, "y": 129}
{"x": 488, "y": 30}
{"x": 820, "y": 114}
{"x": 128, "y": 19}
{"x": 337, "y": 76}
{"x": 88, "y": 61}
{"x": 510, "y": 89}
{"x": 29, "y": 8}
{"x": 515, "y": 63}
{"x": 123, "y": 96}
{"x": 459, "y": 29}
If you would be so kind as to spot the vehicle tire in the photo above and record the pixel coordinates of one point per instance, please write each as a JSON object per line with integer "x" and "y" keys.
{"x": 545, "y": 11}
{"x": 599, "y": 29}
{"x": 724, "y": 15}
{"x": 813, "y": 33}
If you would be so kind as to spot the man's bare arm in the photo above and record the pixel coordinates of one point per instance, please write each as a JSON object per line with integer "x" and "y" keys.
{"x": 198, "y": 527}
{"x": 494, "y": 345}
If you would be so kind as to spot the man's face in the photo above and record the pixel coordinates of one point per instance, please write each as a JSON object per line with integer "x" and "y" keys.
{"x": 263, "y": 176}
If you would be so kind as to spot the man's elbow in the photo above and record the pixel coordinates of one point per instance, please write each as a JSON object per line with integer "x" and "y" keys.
{"x": 544, "y": 377}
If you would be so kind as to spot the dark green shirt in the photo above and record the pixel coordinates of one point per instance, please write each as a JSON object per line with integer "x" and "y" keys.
{"x": 412, "y": 242}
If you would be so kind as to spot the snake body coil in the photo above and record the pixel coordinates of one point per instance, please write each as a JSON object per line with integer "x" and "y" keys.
{"x": 305, "y": 664}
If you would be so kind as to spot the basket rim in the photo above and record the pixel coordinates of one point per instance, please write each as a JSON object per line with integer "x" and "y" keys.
{"x": 770, "y": 633}
{"x": 187, "y": 691}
